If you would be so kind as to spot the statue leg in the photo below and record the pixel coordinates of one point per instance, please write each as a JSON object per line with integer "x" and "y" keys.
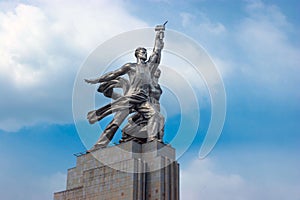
{"x": 161, "y": 128}
{"x": 134, "y": 129}
{"x": 111, "y": 129}
{"x": 153, "y": 127}
{"x": 153, "y": 118}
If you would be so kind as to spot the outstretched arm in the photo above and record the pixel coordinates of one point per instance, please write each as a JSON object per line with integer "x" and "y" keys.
{"x": 158, "y": 45}
{"x": 110, "y": 75}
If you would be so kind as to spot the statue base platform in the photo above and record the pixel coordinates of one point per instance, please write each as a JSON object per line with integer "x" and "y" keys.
{"x": 130, "y": 171}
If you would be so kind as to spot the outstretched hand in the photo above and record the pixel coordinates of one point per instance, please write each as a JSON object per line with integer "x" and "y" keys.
{"x": 91, "y": 81}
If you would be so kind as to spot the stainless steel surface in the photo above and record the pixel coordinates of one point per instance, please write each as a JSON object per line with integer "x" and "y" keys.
{"x": 140, "y": 98}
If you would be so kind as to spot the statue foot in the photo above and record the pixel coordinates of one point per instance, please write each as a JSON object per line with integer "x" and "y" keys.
{"x": 160, "y": 140}
{"x": 151, "y": 139}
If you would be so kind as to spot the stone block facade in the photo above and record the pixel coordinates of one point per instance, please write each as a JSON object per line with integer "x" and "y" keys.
{"x": 129, "y": 171}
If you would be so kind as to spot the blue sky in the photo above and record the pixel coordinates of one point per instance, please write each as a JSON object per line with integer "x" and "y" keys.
{"x": 254, "y": 44}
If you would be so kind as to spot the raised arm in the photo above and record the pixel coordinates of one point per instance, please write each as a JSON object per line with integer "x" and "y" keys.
{"x": 110, "y": 75}
{"x": 158, "y": 45}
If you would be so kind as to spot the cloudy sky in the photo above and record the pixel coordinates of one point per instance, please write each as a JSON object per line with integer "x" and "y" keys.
{"x": 255, "y": 46}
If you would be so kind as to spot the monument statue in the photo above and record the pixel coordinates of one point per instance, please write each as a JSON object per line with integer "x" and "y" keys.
{"x": 139, "y": 98}
{"x": 141, "y": 167}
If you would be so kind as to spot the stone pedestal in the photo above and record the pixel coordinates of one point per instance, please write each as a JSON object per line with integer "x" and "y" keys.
{"x": 130, "y": 171}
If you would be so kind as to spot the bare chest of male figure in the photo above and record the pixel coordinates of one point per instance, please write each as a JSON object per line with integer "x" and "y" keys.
{"x": 142, "y": 77}
{"x": 143, "y": 72}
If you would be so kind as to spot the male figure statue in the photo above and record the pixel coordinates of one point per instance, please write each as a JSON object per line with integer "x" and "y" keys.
{"x": 137, "y": 97}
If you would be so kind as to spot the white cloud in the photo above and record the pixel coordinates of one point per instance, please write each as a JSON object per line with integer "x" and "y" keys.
{"x": 42, "y": 45}
{"x": 224, "y": 66}
{"x": 265, "y": 39}
{"x": 22, "y": 44}
{"x": 186, "y": 19}
{"x": 260, "y": 50}
{"x": 260, "y": 47}
{"x": 206, "y": 25}
{"x": 265, "y": 33}
{"x": 201, "y": 180}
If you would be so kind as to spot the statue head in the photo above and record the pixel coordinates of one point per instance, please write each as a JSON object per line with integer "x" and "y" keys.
{"x": 141, "y": 53}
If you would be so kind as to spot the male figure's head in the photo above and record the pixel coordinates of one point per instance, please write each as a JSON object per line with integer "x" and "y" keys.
{"x": 141, "y": 54}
